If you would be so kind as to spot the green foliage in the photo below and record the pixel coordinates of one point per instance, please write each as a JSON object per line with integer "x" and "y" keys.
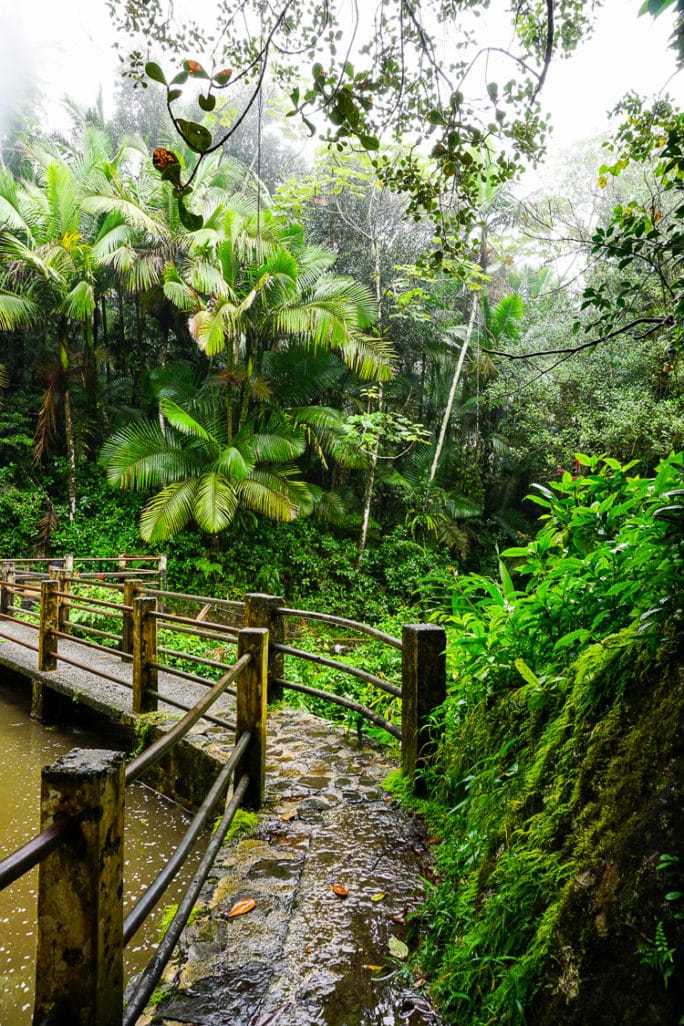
{"x": 549, "y": 668}
{"x": 243, "y": 823}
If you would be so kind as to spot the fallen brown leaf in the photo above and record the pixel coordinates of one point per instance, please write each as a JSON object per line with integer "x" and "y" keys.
{"x": 241, "y": 907}
{"x": 340, "y": 890}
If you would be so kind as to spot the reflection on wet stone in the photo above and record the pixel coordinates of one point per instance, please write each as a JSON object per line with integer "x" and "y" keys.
{"x": 304, "y": 955}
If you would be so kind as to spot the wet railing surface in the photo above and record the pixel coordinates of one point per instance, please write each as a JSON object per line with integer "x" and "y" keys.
{"x": 60, "y": 609}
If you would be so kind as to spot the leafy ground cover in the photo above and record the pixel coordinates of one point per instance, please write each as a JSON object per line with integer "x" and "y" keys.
{"x": 559, "y": 778}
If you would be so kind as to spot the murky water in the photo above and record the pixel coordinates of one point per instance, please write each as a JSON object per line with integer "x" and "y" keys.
{"x": 153, "y": 828}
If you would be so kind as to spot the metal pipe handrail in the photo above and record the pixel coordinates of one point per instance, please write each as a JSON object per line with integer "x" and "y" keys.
{"x": 181, "y": 705}
{"x": 19, "y": 641}
{"x": 345, "y": 703}
{"x": 108, "y": 559}
{"x": 175, "y": 671}
{"x": 162, "y": 745}
{"x": 118, "y": 607}
{"x": 84, "y": 580}
{"x": 86, "y": 644}
{"x": 189, "y": 621}
{"x": 150, "y": 976}
{"x": 342, "y": 621}
{"x": 202, "y": 660}
{"x": 179, "y": 629}
{"x": 35, "y": 850}
{"x": 92, "y": 630}
{"x": 204, "y": 599}
{"x": 353, "y": 671}
{"x": 151, "y": 896}
{"x": 104, "y": 575}
{"x": 84, "y": 666}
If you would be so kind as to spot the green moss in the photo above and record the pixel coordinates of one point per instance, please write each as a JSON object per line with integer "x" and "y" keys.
{"x": 243, "y": 823}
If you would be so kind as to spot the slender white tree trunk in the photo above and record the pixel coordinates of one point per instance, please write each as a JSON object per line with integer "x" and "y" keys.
{"x": 454, "y": 385}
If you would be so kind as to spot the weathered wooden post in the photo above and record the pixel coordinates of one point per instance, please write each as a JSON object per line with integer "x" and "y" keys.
{"x": 262, "y": 611}
{"x": 252, "y": 686}
{"x": 144, "y": 653}
{"x": 423, "y": 689}
{"x": 162, "y": 570}
{"x": 7, "y": 589}
{"x": 132, "y": 590}
{"x": 79, "y": 954}
{"x": 49, "y": 623}
{"x": 63, "y": 578}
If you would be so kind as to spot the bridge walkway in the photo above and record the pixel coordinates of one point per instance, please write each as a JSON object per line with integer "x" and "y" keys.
{"x": 333, "y": 866}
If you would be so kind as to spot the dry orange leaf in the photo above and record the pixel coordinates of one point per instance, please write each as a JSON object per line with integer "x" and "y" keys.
{"x": 288, "y": 815}
{"x": 340, "y": 890}
{"x": 241, "y": 907}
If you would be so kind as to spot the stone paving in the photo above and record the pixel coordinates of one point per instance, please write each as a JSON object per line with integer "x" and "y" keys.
{"x": 334, "y": 867}
{"x": 305, "y": 954}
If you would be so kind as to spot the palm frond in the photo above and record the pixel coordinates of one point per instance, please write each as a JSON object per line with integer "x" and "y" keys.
{"x": 16, "y": 311}
{"x": 216, "y": 503}
{"x": 168, "y": 512}
{"x": 140, "y": 456}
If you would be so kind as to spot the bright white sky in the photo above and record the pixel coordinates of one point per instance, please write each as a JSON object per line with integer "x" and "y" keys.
{"x": 65, "y": 44}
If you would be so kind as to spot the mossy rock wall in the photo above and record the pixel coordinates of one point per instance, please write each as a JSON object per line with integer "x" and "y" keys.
{"x": 613, "y": 964}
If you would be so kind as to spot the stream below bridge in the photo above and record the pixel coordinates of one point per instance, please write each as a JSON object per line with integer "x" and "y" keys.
{"x": 154, "y": 826}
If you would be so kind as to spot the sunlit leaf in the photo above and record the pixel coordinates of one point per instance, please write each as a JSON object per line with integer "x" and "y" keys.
{"x": 398, "y": 948}
{"x": 379, "y": 896}
{"x": 240, "y": 908}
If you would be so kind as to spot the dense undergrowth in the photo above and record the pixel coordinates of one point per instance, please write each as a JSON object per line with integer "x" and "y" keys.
{"x": 557, "y": 788}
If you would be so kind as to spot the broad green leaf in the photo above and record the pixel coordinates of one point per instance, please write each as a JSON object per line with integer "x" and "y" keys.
{"x": 154, "y": 72}
{"x": 196, "y": 136}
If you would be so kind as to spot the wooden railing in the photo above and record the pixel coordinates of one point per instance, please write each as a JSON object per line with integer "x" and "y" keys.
{"x": 81, "y": 931}
{"x": 59, "y": 606}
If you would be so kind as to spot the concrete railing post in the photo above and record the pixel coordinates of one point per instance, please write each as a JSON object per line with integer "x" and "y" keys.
{"x": 79, "y": 953}
{"x": 251, "y": 712}
{"x": 423, "y": 689}
{"x": 7, "y": 590}
{"x": 49, "y": 623}
{"x": 262, "y": 611}
{"x": 132, "y": 589}
{"x": 144, "y": 653}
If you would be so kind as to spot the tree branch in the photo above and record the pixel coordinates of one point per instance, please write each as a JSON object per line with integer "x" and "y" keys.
{"x": 657, "y": 322}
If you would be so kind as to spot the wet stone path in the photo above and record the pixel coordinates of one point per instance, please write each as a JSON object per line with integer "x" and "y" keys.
{"x": 307, "y": 953}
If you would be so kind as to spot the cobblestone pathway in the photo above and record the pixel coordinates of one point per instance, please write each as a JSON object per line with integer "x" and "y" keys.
{"x": 305, "y": 954}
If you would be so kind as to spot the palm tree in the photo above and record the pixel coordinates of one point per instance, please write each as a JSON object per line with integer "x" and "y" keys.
{"x": 207, "y": 473}
{"x": 50, "y": 283}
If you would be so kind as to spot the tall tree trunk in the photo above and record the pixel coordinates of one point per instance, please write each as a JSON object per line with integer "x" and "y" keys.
{"x": 68, "y": 427}
{"x": 375, "y": 454}
{"x": 454, "y": 385}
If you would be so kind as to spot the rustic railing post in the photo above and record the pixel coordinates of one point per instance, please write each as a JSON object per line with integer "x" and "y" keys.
{"x": 69, "y": 563}
{"x": 423, "y": 689}
{"x": 262, "y": 611}
{"x": 122, "y": 562}
{"x": 131, "y": 591}
{"x": 162, "y": 571}
{"x": 63, "y": 603}
{"x": 7, "y": 590}
{"x": 79, "y": 954}
{"x": 49, "y": 623}
{"x": 251, "y": 712}
{"x": 144, "y": 653}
